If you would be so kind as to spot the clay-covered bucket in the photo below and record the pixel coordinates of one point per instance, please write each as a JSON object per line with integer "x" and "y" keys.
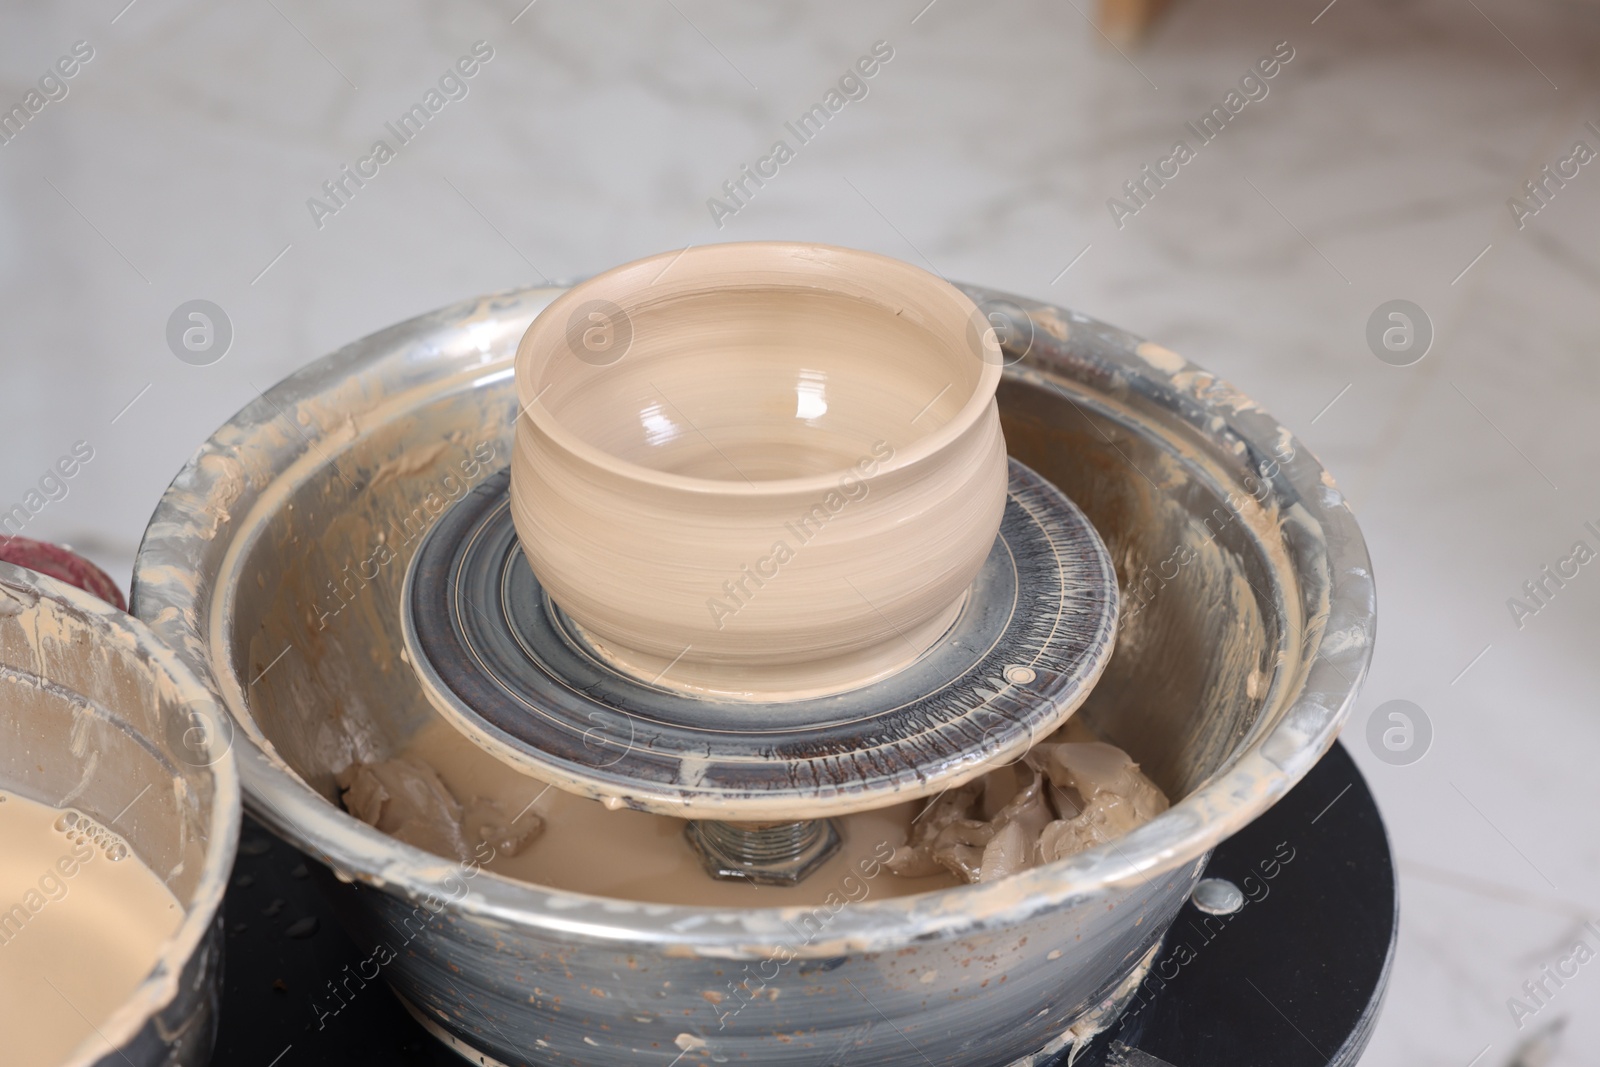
{"x": 98, "y": 716}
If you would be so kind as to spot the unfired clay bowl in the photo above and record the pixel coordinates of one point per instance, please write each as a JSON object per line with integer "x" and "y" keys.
{"x": 759, "y": 471}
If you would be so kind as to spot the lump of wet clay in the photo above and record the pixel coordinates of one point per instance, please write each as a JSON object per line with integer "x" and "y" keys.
{"x": 404, "y": 798}
{"x": 1104, "y": 790}
{"x": 1062, "y": 798}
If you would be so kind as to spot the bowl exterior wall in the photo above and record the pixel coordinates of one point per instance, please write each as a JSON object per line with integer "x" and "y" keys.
{"x": 655, "y": 568}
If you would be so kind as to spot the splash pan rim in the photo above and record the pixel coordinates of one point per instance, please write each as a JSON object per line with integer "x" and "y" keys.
{"x": 202, "y": 528}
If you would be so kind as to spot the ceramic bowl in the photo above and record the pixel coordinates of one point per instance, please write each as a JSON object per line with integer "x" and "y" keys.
{"x": 759, "y": 471}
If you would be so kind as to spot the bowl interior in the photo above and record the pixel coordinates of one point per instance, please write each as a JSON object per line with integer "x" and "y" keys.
{"x": 754, "y": 383}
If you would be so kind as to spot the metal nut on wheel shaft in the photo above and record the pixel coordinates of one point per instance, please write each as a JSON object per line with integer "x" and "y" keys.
{"x": 781, "y": 853}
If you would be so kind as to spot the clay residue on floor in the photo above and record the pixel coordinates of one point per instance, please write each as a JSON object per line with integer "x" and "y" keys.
{"x": 1068, "y": 794}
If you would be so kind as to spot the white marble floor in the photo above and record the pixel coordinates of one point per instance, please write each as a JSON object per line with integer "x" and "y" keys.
{"x": 1377, "y": 166}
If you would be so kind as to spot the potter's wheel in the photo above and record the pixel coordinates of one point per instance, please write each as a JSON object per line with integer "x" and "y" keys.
{"x": 266, "y": 565}
{"x": 512, "y": 672}
{"x": 508, "y": 668}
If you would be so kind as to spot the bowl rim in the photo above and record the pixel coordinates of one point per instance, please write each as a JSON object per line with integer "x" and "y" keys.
{"x": 777, "y": 265}
{"x": 198, "y": 527}
{"x": 159, "y": 987}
